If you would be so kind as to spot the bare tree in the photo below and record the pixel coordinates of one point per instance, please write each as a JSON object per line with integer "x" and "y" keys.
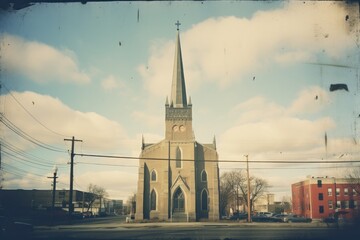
{"x": 354, "y": 177}
{"x": 233, "y": 184}
{"x": 97, "y": 192}
{"x": 229, "y": 189}
{"x": 258, "y": 187}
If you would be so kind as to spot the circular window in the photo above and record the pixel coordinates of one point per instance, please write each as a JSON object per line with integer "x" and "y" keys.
{"x": 182, "y": 128}
{"x": 175, "y": 128}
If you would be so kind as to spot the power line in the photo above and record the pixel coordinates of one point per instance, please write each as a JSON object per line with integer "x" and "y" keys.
{"x": 220, "y": 160}
{"x": 20, "y": 173}
{"x": 27, "y": 111}
{"x": 34, "y": 179}
{"x": 22, "y": 170}
{"x": 30, "y": 163}
{"x": 107, "y": 164}
{"x": 26, "y": 136}
{"x": 290, "y": 168}
{"x": 257, "y": 168}
{"x": 27, "y": 157}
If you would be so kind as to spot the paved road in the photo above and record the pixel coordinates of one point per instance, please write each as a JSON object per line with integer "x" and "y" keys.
{"x": 112, "y": 229}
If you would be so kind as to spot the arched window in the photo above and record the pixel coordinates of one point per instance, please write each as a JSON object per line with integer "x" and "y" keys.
{"x": 153, "y": 175}
{"x": 153, "y": 200}
{"x": 178, "y": 158}
{"x": 179, "y": 201}
{"x": 204, "y": 200}
{"x": 203, "y": 176}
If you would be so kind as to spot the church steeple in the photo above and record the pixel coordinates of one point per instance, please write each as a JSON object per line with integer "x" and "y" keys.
{"x": 178, "y": 90}
{"x": 178, "y": 112}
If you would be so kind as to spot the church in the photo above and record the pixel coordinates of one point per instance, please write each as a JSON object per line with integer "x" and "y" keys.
{"x": 178, "y": 176}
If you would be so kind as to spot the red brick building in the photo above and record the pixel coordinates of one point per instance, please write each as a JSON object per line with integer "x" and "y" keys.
{"x": 319, "y": 198}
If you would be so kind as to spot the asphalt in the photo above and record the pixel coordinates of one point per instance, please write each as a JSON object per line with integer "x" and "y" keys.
{"x": 123, "y": 225}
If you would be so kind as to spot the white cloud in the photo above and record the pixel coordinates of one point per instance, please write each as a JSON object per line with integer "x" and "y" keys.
{"x": 263, "y": 127}
{"x": 40, "y": 62}
{"x": 255, "y": 109}
{"x": 158, "y": 71}
{"x": 222, "y": 50}
{"x": 97, "y": 132}
{"x": 118, "y": 183}
{"x": 310, "y": 100}
{"x": 275, "y": 135}
{"x": 26, "y": 181}
{"x": 111, "y": 83}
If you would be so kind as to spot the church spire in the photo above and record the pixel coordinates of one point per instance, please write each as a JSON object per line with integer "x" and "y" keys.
{"x": 178, "y": 90}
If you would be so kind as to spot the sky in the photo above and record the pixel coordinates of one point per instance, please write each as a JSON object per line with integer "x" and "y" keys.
{"x": 258, "y": 73}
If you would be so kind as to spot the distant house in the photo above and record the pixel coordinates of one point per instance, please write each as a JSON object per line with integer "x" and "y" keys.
{"x": 264, "y": 203}
{"x": 321, "y": 197}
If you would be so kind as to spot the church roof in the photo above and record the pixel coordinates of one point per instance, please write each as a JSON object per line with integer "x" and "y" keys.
{"x": 178, "y": 90}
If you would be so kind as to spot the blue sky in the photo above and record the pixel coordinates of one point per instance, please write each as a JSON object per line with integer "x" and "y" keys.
{"x": 101, "y": 72}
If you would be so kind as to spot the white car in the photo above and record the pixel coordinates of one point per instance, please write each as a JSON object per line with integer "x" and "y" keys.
{"x": 268, "y": 214}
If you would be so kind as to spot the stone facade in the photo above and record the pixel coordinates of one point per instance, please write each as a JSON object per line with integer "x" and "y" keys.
{"x": 178, "y": 177}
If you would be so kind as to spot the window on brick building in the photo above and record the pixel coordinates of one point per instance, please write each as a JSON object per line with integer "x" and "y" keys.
{"x": 346, "y": 191}
{"x": 319, "y": 183}
{"x": 351, "y": 204}
{"x": 321, "y": 196}
{"x": 342, "y": 204}
{"x": 337, "y": 204}
{"x": 337, "y": 191}
{"x": 330, "y": 204}
{"x": 355, "y": 205}
{"x": 321, "y": 209}
{"x": 329, "y": 191}
{"x": 354, "y": 192}
{"x": 346, "y": 204}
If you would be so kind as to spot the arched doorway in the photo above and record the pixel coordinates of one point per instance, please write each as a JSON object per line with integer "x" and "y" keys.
{"x": 179, "y": 201}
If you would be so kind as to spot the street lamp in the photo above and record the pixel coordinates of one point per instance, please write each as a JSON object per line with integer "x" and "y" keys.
{"x": 54, "y": 187}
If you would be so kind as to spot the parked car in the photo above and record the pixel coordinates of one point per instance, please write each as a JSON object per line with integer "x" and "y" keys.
{"x": 280, "y": 217}
{"x": 296, "y": 218}
{"x": 238, "y": 216}
{"x": 264, "y": 218}
{"x": 330, "y": 220}
{"x": 76, "y": 215}
{"x": 88, "y": 214}
{"x": 10, "y": 229}
{"x": 268, "y": 214}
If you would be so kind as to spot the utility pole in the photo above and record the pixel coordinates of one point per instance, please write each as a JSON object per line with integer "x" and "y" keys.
{"x": 54, "y": 188}
{"x": 73, "y": 140}
{"x": 248, "y": 188}
{"x": 1, "y": 178}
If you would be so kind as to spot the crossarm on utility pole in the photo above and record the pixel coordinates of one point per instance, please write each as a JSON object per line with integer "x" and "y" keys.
{"x": 73, "y": 140}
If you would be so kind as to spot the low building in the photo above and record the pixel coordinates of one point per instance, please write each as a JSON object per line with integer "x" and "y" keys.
{"x": 263, "y": 203}
{"x": 322, "y": 197}
{"x": 24, "y": 200}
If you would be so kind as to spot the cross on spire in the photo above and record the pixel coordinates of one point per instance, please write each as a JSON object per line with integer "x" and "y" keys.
{"x": 177, "y": 25}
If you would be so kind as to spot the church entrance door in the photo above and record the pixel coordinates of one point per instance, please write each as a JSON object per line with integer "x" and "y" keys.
{"x": 179, "y": 201}
{"x": 178, "y": 206}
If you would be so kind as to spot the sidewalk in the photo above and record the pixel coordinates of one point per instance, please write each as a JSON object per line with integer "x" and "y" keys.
{"x": 116, "y": 225}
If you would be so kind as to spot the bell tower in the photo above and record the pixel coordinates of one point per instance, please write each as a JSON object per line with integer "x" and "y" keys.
{"x": 178, "y": 112}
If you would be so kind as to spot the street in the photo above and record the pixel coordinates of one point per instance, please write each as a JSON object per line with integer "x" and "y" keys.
{"x": 113, "y": 228}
